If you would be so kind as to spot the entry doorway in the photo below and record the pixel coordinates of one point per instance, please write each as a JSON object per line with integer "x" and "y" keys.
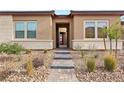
{"x": 62, "y": 35}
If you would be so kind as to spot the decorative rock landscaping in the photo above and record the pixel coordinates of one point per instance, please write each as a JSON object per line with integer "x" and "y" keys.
{"x": 13, "y": 70}
{"x": 40, "y": 74}
{"x": 100, "y": 74}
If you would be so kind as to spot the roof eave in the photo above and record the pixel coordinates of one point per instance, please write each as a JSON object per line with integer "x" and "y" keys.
{"x": 26, "y": 12}
{"x": 119, "y": 13}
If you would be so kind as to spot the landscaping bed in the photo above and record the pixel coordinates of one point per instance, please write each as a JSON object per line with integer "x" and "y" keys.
{"x": 100, "y": 74}
{"x": 13, "y": 67}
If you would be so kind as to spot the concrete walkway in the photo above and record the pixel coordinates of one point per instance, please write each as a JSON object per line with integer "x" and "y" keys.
{"x": 62, "y": 69}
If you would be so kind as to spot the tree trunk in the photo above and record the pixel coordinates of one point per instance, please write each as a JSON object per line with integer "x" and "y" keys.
{"x": 110, "y": 46}
{"x": 116, "y": 47}
{"x": 104, "y": 44}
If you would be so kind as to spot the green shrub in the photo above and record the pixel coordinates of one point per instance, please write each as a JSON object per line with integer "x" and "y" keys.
{"x": 11, "y": 48}
{"x": 3, "y": 47}
{"x": 91, "y": 65}
{"x": 110, "y": 62}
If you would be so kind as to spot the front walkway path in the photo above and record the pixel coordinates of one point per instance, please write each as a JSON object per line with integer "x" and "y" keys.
{"x": 62, "y": 69}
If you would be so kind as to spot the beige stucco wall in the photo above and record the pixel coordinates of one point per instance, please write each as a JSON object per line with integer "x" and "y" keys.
{"x": 78, "y": 27}
{"x": 78, "y": 23}
{"x": 6, "y": 28}
{"x": 43, "y": 35}
{"x": 44, "y": 29}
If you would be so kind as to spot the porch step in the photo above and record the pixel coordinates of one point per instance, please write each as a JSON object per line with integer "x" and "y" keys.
{"x": 62, "y": 67}
{"x": 62, "y": 64}
{"x": 57, "y": 58}
{"x": 62, "y": 57}
{"x": 62, "y": 52}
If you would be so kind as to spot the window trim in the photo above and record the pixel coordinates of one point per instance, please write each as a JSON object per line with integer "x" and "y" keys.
{"x": 15, "y": 30}
{"x": 25, "y": 30}
{"x": 96, "y": 32}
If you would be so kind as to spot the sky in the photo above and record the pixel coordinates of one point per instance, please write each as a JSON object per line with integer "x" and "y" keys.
{"x": 61, "y": 4}
{"x": 61, "y": 7}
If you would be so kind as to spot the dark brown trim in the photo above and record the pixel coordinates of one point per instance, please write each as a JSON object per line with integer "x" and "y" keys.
{"x": 120, "y": 13}
{"x": 26, "y": 12}
{"x": 52, "y": 12}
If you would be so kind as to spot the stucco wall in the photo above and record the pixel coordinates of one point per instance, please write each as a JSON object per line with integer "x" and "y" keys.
{"x": 78, "y": 23}
{"x": 6, "y": 28}
{"x": 43, "y": 35}
{"x": 78, "y": 28}
{"x": 95, "y": 44}
{"x": 44, "y": 29}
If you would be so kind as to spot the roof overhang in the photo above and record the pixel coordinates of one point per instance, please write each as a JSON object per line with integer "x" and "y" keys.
{"x": 26, "y": 12}
{"x": 118, "y": 13}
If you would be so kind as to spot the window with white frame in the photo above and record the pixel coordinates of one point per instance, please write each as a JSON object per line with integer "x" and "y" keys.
{"x": 26, "y": 29}
{"x": 93, "y": 28}
{"x": 90, "y": 29}
{"x": 20, "y": 30}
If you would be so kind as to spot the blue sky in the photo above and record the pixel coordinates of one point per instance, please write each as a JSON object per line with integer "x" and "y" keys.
{"x": 61, "y": 5}
{"x": 62, "y": 12}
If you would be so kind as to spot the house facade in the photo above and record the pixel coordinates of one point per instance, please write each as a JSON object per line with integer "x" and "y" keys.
{"x": 46, "y": 30}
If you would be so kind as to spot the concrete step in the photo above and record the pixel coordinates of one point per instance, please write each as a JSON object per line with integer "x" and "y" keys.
{"x": 62, "y": 67}
{"x": 57, "y": 58}
{"x": 62, "y": 52}
{"x": 63, "y": 56}
{"x": 62, "y": 64}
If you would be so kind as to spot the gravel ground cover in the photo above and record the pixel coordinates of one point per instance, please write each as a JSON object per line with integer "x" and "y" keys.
{"x": 100, "y": 74}
{"x": 12, "y": 67}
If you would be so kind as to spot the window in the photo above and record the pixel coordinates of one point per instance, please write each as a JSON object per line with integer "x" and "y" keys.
{"x": 31, "y": 30}
{"x": 93, "y": 28}
{"x": 25, "y": 29}
{"x": 90, "y": 29}
{"x": 100, "y": 26}
{"x": 20, "y": 27}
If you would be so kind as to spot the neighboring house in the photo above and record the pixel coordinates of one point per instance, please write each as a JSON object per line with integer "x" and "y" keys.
{"x": 45, "y": 30}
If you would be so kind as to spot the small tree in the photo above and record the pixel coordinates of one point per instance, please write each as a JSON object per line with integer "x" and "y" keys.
{"x": 117, "y": 32}
{"x": 113, "y": 32}
{"x": 110, "y": 34}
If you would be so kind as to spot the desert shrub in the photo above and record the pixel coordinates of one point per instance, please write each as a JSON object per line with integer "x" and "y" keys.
{"x": 110, "y": 62}
{"x": 10, "y": 48}
{"x": 27, "y": 51}
{"x": 29, "y": 66}
{"x": 96, "y": 55}
{"x": 91, "y": 64}
{"x": 45, "y": 50}
{"x": 37, "y": 62}
{"x": 82, "y": 53}
{"x": 3, "y": 47}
